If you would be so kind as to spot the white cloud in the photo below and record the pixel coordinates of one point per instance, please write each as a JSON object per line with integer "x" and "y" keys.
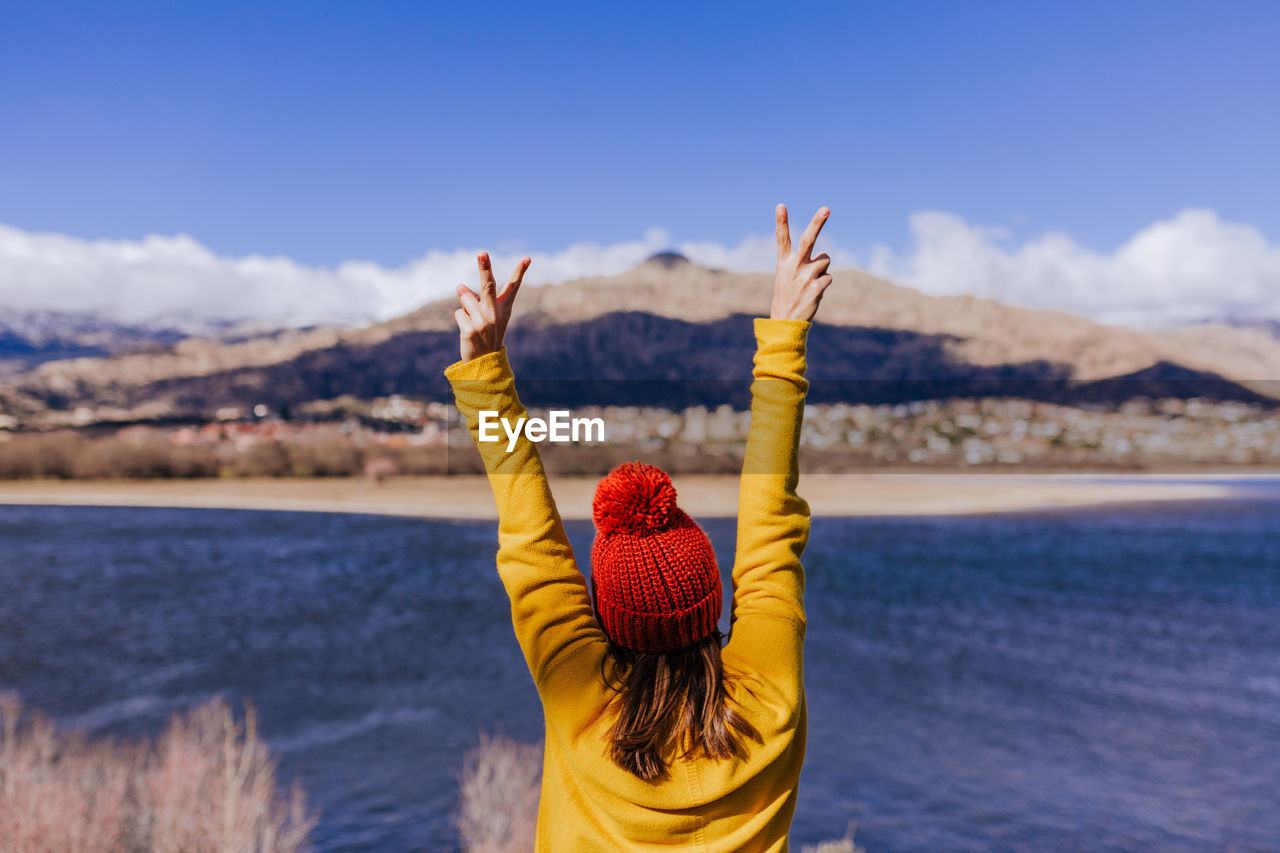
{"x": 176, "y": 277}
{"x": 1192, "y": 266}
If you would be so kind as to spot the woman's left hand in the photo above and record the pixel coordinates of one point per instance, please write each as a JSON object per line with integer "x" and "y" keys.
{"x": 483, "y": 317}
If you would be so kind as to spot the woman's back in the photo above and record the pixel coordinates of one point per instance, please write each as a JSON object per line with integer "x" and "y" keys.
{"x": 735, "y": 804}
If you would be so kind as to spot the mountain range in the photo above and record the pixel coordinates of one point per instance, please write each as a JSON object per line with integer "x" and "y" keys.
{"x": 668, "y": 333}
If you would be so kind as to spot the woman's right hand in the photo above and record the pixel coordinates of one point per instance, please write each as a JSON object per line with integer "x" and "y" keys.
{"x": 482, "y": 319}
{"x": 800, "y": 280}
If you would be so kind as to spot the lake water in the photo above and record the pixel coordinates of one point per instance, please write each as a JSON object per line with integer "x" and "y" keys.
{"x": 1101, "y": 679}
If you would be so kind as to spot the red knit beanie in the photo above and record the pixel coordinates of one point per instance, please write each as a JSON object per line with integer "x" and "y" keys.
{"x": 653, "y": 571}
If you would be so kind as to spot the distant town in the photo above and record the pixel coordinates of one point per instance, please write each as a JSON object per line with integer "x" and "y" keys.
{"x": 398, "y": 435}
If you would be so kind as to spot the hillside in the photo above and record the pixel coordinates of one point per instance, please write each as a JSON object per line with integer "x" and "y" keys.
{"x": 30, "y": 338}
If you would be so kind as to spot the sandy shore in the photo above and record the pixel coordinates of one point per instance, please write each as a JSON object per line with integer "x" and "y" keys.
{"x": 700, "y": 496}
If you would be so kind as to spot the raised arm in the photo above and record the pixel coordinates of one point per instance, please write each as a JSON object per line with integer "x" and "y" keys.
{"x": 768, "y": 619}
{"x": 550, "y": 605}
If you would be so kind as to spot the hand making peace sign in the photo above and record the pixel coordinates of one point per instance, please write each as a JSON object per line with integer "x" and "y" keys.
{"x": 482, "y": 319}
{"x": 800, "y": 280}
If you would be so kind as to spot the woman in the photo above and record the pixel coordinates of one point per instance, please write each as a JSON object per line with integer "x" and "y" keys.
{"x": 656, "y": 736}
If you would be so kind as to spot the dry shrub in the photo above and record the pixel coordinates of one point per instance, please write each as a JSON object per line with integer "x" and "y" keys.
{"x": 69, "y": 455}
{"x": 51, "y": 454}
{"x": 151, "y": 454}
{"x": 207, "y": 784}
{"x": 840, "y": 845}
{"x": 422, "y": 460}
{"x": 59, "y": 794}
{"x": 380, "y": 468}
{"x": 146, "y": 456}
{"x": 499, "y": 796}
{"x": 139, "y": 452}
{"x": 327, "y": 454}
{"x": 124, "y": 456}
{"x": 262, "y": 459}
{"x": 194, "y": 462}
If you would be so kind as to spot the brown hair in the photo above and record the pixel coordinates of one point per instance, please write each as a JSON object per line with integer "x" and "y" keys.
{"x": 661, "y": 697}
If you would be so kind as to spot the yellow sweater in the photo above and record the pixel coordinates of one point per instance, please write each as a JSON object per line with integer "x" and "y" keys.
{"x": 589, "y": 803}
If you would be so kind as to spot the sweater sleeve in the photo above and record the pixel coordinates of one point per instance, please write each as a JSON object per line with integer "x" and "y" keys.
{"x": 550, "y": 604}
{"x": 767, "y": 619}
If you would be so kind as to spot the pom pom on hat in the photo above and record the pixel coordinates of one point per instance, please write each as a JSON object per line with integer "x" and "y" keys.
{"x": 634, "y": 498}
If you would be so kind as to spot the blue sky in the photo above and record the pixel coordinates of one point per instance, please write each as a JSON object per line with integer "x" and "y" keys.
{"x": 325, "y": 132}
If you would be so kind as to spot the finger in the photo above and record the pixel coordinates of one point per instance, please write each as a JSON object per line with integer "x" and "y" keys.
{"x": 810, "y": 235}
{"x": 488, "y": 285}
{"x": 462, "y": 289}
{"x": 822, "y": 283}
{"x": 471, "y": 304}
{"x": 466, "y": 325}
{"x": 820, "y": 263}
{"x": 783, "y": 231}
{"x": 513, "y": 286}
